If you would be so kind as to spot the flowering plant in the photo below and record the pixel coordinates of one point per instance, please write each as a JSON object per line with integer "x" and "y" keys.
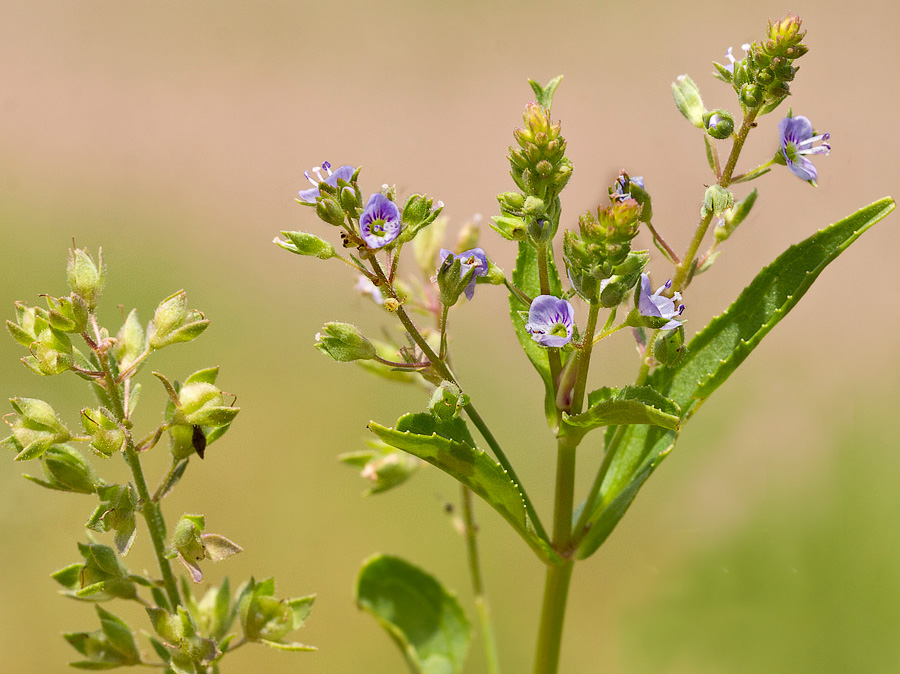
{"x": 558, "y": 314}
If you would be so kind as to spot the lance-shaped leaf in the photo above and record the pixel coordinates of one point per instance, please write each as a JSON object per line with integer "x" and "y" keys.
{"x": 712, "y": 355}
{"x": 630, "y": 405}
{"x": 449, "y": 446}
{"x": 420, "y": 615}
{"x": 526, "y": 277}
{"x": 717, "y": 350}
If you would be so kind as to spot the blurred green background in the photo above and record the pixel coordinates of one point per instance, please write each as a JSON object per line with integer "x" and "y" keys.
{"x": 175, "y": 135}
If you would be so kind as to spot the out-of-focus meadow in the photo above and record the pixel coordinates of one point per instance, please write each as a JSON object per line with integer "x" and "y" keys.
{"x": 176, "y": 134}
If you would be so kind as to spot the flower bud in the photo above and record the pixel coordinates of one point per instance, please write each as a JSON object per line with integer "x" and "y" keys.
{"x": 719, "y": 124}
{"x": 784, "y": 38}
{"x": 30, "y": 321}
{"x": 717, "y": 200}
{"x": 751, "y": 95}
{"x": 384, "y": 466}
{"x": 51, "y": 353}
{"x": 447, "y": 401}
{"x": 510, "y": 228}
{"x": 173, "y": 322}
{"x": 102, "y": 575}
{"x": 330, "y": 211}
{"x": 734, "y": 216}
{"x": 109, "y": 647}
{"x": 344, "y": 342}
{"x": 107, "y": 437}
{"x": 511, "y": 201}
{"x": 534, "y": 207}
{"x": 85, "y": 277}
{"x": 203, "y": 404}
{"x": 68, "y": 314}
{"x": 688, "y": 101}
{"x": 66, "y": 470}
{"x": 263, "y": 617}
{"x": 36, "y": 428}
{"x": 351, "y": 201}
{"x": 453, "y": 278}
{"x": 301, "y": 243}
{"x": 129, "y": 341}
{"x": 668, "y": 346}
{"x": 418, "y": 213}
{"x": 540, "y": 230}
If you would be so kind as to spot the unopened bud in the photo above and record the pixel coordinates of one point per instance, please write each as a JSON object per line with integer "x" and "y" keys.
{"x": 344, "y": 342}
{"x": 719, "y": 124}
{"x": 86, "y": 278}
{"x": 688, "y": 100}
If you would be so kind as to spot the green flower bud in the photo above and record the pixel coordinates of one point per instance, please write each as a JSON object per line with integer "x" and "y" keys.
{"x": 617, "y": 288}
{"x": 717, "y": 200}
{"x": 784, "y": 38}
{"x": 111, "y": 646}
{"x": 193, "y": 546}
{"x": 116, "y": 512}
{"x": 130, "y": 341}
{"x": 86, "y": 278}
{"x": 214, "y": 614}
{"x": 107, "y": 437}
{"x": 534, "y": 207}
{"x": 36, "y": 428}
{"x": 203, "y": 404}
{"x": 301, "y": 243}
{"x": 540, "y": 230}
{"x": 101, "y": 577}
{"x": 417, "y": 214}
{"x": 51, "y": 353}
{"x": 719, "y": 124}
{"x": 447, "y": 401}
{"x": 751, "y": 95}
{"x": 66, "y": 470}
{"x": 173, "y": 322}
{"x": 688, "y": 100}
{"x": 30, "y": 321}
{"x": 330, "y": 211}
{"x": 384, "y": 466}
{"x": 510, "y": 228}
{"x": 452, "y": 279}
{"x": 351, "y": 201}
{"x": 68, "y": 314}
{"x": 668, "y": 347}
{"x": 264, "y": 618}
{"x": 344, "y": 342}
{"x": 511, "y": 201}
{"x": 734, "y": 216}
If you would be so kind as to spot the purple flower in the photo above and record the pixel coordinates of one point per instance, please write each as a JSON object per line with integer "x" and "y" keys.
{"x": 796, "y": 141}
{"x": 732, "y": 60}
{"x": 619, "y": 193}
{"x": 344, "y": 173}
{"x": 550, "y": 320}
{"x": 658, "y": 304}
{"x": 380, "y": 222}
{"x": 468, "y": 259}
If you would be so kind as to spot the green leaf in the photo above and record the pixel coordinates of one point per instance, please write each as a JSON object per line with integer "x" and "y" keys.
{"x": 544, "y": 95}
{"x": 640, "y": 450}
{"x": 449, "y": 446}
{"x": 526, "y": 278}
{"x": 423, "y": 618}
{"x": 630, "y": 405}
{"x": 717, "y": 350}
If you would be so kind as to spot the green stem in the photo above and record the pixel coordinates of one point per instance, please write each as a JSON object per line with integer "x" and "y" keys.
{"x": 684, "y": 268}
{"x": 441, "y": 367}
{"x": 481, "y": 602}
{"x": 553, "y": 613}
{"x": 590, "y": 501}
{"x": 552, "y": 354}
{"x": 584, "y": 360}
{"x": 150, "y": 510}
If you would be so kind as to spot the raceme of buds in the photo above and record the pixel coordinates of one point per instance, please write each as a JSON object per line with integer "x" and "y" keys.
{"x": 539, "y": 165}
{"x": 173, "y": 322}
{"x": 65, "y": 469}
{"x": 107, "y": 437}
{"x": 86, "y": 278}
{"x": 784, "y": 38}
{"x": 35, "y": 428}
{"x": 719, "y": 124}
{"x": 193, "y": 546}
{"x": 301, "y": 243}
{"x": 267, "y": 619}
{"x": 344, "y": 342}
{"x": 688, "y": 101}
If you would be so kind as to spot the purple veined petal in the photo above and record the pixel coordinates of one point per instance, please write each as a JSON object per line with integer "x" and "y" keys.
{"x": 379, "y": 223}
{"x": 468, "y": 259}
{"x": 645, "y": 304}
{"x": 344, "y": 173}
{"x": 550, "y": 321}
{"x": 659, "y": 305}
{"x": 802, "y": 167}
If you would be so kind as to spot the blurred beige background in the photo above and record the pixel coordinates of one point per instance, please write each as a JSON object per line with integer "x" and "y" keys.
{"x": 175, "y": 135}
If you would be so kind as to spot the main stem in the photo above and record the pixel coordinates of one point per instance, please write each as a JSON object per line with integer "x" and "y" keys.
{"x": 481, "y": 602}
{"x": 150, "y": 510}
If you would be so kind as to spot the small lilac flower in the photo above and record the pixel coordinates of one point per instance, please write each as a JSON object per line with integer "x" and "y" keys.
{"x": 732, "y": 60}
{"x": 796, "y": 142}
{"x": 658, "y": 304}
{"x": 619, "y": 193}
{"x": 550, "y": 320}
{"x": 380, "y": 222}
{"x": 365, "y": 287}
{"x": 469, "y": 259}
{"x": 344, "y": 173}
